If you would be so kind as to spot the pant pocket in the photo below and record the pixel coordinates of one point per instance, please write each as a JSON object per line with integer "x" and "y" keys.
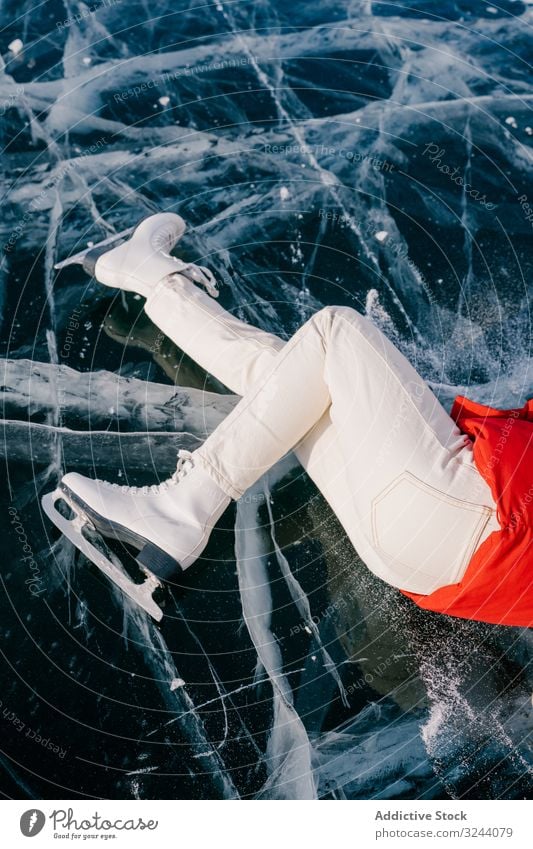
{"x": 425, "y": 536}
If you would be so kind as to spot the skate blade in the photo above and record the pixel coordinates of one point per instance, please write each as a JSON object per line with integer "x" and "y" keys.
{"x": 141, "y": 594}
{"x": 78, "y": 259}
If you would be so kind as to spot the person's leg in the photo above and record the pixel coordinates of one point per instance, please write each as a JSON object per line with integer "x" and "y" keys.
{"x": 234, "y": 352}
{"x": 238, "y": 354}
{"x": 385, "y": 454}
{"x": 385, "y": 430}
{"x": 370, "y": 433}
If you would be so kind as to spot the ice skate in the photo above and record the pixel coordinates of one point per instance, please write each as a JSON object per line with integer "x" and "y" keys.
{"x": 73, "y": 529}
{"x": 138, "y": 263}
{"x": 169, "y": 524}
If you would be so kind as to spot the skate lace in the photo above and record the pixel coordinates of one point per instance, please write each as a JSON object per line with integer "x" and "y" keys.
{"x": 198, "y": 274}
{"x": 163, "y": 241}
{"x": 183, "y": 466}
{"x": 201, "y": 274}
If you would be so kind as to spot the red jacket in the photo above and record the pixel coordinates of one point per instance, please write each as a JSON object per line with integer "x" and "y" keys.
{"x": 498, "y": 583}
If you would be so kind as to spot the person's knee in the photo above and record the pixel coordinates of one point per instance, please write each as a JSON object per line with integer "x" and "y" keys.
{"x": 344, "y": 325}
{"x": 330, "y": 315}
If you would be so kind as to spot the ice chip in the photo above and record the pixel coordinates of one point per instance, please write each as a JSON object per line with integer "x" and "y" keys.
{"x": 16, "y": 46}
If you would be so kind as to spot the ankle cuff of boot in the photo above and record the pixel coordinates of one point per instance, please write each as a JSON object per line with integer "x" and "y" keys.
{"x": 170, "y": 282}
{"x": 226, "y": 486}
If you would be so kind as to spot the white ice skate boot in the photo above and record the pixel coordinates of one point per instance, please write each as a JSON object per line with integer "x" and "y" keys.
{"x": 137, "y": 264}
{"x": 168, "y": 523}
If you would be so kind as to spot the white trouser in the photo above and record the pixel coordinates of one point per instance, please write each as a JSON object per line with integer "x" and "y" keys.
{"x": 367, "y": 429}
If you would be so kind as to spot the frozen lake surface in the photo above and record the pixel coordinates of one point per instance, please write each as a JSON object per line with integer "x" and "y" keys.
{"x": 370, "y": 154}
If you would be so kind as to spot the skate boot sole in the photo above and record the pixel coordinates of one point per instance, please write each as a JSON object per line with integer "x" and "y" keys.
{"x": 88, "y": 257}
